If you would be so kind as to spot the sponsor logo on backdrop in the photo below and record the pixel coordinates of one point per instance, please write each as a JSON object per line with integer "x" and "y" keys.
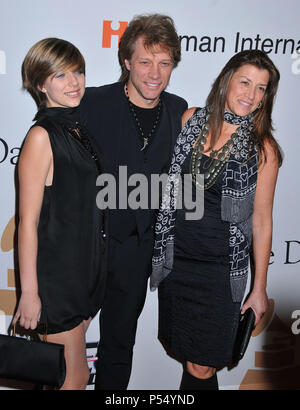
{"x": 109, "y": 31}
{"x": 209, "y": 44}
{"x": 8, "y": 154}
{"x": 8, "y": 297}
{"x": 275, "y": 363}
{"x": 2, "y": 62}
{"x": 292, "y": 254}
{"x": 240, "y": 43}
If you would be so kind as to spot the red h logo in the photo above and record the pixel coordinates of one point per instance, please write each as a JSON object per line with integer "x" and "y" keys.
{"x": 108, "y": 32}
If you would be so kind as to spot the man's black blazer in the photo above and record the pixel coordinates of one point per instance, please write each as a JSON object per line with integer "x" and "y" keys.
{"x": 106, "y": 114}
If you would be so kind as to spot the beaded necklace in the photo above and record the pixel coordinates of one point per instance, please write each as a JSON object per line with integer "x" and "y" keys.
{"x": 140, "y": 129}
{"x": 80, "y": 134}
{"x": 213, "y": 164}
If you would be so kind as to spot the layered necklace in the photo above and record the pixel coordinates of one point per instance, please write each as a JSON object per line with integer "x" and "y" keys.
{"x": 145, "y": 138}
{"x": 212, "y": 165}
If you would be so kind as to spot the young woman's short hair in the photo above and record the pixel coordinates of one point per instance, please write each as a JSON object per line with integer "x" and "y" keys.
{"x": 47, "y": 57}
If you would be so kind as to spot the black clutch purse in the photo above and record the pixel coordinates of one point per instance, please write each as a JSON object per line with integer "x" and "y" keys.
{"x": 245, "y": 328}
{"x": 32, "y": 361}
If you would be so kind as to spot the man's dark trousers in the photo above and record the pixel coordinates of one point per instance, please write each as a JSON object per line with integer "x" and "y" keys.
{"x": 106, "y": 114}
{"x": 128, "y": 273}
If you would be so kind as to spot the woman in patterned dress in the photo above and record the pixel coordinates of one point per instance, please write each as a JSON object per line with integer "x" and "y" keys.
{"x": 200, "y": 266}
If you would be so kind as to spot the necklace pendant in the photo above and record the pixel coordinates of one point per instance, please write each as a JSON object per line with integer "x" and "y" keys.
{"x": 145, "y": 143}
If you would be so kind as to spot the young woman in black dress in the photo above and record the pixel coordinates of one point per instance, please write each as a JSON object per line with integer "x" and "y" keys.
{"x": 59, "y": 232}
{"x": 200, "y": 266}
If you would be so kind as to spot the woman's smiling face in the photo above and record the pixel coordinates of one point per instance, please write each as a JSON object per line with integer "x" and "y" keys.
{"x": 246, "y": 89}
{"x": 64, "y": 89}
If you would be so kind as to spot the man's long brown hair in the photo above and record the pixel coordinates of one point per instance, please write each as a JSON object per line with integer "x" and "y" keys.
{"x": 157, "y": 30}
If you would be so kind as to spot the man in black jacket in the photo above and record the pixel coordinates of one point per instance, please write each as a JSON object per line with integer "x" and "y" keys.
{"x": 135, "y": 124}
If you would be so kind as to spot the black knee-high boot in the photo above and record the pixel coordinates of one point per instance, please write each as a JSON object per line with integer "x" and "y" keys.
{"x": 190, "y": 382}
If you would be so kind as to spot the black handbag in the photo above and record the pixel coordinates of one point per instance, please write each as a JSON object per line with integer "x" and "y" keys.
{"x": 245, "y": 328}
{"x": 33, "y": 361}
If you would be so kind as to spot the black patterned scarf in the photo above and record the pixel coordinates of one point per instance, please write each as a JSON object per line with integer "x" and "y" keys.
{"x": 238, "y": 191}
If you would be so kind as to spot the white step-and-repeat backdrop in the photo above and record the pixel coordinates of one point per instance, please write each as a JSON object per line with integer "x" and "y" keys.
{"x": 211, "y": 32}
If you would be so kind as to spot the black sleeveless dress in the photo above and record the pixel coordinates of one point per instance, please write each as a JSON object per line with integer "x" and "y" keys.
{"x": 71, "y": 278}
{"x": 197, "y": 318}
